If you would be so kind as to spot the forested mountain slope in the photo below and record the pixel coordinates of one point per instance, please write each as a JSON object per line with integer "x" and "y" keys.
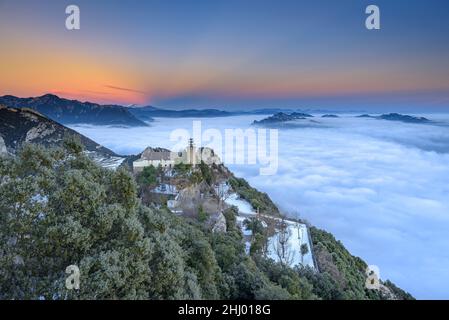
{"x": 59, "y": 208}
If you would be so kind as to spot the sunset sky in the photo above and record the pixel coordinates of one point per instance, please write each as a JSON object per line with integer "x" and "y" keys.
{"x": 230, "y": 54}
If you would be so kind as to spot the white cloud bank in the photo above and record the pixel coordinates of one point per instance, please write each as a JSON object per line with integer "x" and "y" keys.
{"x": 380, "y": 187}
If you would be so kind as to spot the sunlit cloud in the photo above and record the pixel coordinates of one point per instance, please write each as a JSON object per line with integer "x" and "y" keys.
{"x": 125, "y": 89}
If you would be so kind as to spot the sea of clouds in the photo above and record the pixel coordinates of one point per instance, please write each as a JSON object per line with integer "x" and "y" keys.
{"x": 381, "y": 187}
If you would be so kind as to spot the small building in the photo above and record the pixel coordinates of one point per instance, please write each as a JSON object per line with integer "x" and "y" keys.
{"x": 167, "y": 159}
{"x": 155, "y": 157}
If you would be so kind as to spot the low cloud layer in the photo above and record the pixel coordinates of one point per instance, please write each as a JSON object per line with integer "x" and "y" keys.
{"x": 380, "y": 187}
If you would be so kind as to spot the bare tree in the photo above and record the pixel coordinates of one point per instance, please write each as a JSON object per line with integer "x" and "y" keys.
{"x": 282, "y": 247}
{"x": 222, "y": 191}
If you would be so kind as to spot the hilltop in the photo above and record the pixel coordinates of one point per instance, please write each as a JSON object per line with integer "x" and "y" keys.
{"x": 281, "y": 117}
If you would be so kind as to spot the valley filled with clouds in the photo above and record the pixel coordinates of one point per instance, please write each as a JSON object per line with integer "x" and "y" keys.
{"x": 381, "y": 187}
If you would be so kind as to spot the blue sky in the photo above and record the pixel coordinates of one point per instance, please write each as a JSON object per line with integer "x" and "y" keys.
{"x": 231, "y": 54}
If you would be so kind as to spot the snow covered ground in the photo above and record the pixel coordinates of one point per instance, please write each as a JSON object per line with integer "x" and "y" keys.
{"x": 243, "y": 205}
{"x": 297, "y": 234}
{"x": 106, "y": 162}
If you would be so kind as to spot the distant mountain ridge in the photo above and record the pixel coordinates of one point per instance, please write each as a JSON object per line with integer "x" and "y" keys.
{"x": 282, "y": 119}
{"x": 329, "y": 116}
{"x": 397, "y": 117}
{"x": 148, "y": 112}
{"x": 68, "y": 111}
{"x": 73, "y": 111}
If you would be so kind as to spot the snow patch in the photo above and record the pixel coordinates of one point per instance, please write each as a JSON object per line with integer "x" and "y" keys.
{"x": 3, "y": 150}
{"x": 298, "y": 235}
{"x": 243, "y": 206}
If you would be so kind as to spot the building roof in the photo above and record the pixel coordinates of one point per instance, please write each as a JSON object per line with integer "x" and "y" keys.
{"x": 156, "y": 154}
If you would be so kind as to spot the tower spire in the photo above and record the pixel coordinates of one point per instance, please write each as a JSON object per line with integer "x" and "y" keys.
{"x": 192, "y": 152}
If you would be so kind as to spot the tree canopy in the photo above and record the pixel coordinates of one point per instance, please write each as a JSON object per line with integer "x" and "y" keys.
{"x": 58, "y": 208}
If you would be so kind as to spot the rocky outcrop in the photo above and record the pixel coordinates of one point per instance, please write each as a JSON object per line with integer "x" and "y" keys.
{"x": 219, "y": 223}
{"x": 19, "y": 126}
{"x": 281, "y": 117}
{"x": 42, "y": 130}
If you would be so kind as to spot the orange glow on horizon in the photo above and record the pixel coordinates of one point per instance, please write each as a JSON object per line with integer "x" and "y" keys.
{"x": 88, "y": 75}
{"x": 70, "y": 74}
